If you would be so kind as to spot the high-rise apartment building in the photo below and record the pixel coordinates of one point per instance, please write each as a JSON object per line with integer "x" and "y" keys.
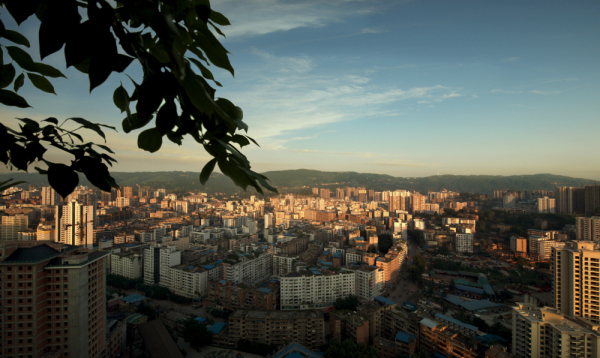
{"x": 126, "y": 264}
{"x": 324, "y": 193}
{"x": 340, "y": 193}
{"x": 518, "y": 244}
{"x": 546, "y": 205}
{"x": 576, "y": 280}
{"x": 12, "y": 225}
{"x": 53, "y": 301}
{"x": 75, "y": 224}
{"x": 570, "y": 200}
{"x": 588, "y": 229}
{"x": 592, "y": 198}
{"x": 128, "y": 192}
{"x": 398, "y": 200}
{"x": 546, "y": 332}
{"x": 362, "y": 195}
{"x": 158, "y": 259}
{"x": 49, "y": 196}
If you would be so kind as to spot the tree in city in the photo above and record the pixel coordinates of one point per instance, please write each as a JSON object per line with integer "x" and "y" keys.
{"x": 349, "y": 349}
{"x": 172, "y": 42}
{"x": 372, "y": 249}
{"x": 385, "y": 241}
{"x": 421, "y": 353}
{"x": 196, "y": 334}
{"x": 349, "y": 303}
{"x": 147, "y": 310}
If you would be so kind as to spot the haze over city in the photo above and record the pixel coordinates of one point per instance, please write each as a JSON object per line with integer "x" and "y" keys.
{"x": 407, "y": 88}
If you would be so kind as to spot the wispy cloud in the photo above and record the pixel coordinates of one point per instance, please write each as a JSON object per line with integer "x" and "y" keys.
{"x": 510, "y": 59}
{"x": 544, "y": 92}
{"x": 370, "y": 30}
{"x": 506, "y": 92}
{"x": 572, "y": 79}
{"x": 260, "y": 17}
{"x": 286, "y": 64}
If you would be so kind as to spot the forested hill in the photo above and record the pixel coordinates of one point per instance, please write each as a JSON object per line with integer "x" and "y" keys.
{"x": 295, "y": 180}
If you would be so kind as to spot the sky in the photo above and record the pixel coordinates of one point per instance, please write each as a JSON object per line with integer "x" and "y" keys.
{"x": 406, "y": 88}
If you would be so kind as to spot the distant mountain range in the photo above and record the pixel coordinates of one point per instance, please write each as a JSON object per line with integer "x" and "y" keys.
{"x": 295, "y": 180}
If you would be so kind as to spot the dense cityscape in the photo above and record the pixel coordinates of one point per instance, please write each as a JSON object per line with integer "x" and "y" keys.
{"x": 299, "y": 179}
{"x": 385, "y": 273}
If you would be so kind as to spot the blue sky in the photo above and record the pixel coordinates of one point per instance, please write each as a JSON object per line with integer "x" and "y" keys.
{"x": 407, "y": 88}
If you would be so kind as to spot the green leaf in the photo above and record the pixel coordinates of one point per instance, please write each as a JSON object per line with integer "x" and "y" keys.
{"x": 21, "y": 57}
{"x": 9, "y": 98}
{"x": 207, "y": 171}
{"x": 62, "y": 178}
{"x": 41, "y": 82}
{"x": 19, "y": 82}
{"x": 133, "y": 122}
{"x": 96, "y": 172}
{"x": 1, "y": 56}
{"x": 205, "y": 71}
{"x": 150, "y": 140}
{"x": 217, "y": 29}
{"x": 218, "y": 18}
{"x": 253, "y": 141}
{"x": 213, "y": 49}
{"x": 16, "y": 37}
{"x": 121, "y": 98}
{"x": 7, "y": 74}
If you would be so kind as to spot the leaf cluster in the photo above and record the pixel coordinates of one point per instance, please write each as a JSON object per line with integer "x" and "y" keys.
{"x": 168, "y": 39}
{"x": 20, "y": 148}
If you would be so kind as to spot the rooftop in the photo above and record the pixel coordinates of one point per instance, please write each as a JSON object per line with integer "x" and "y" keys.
{"x": 404, "y": 337}
{"x": 158, "y": 341}
{"x": 133, "y": 298}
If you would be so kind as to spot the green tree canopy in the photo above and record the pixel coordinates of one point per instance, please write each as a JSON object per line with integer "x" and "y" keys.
{"x": 349, "y": 349}
{"x": 174, "y": 44}
{"x": 347, "y": 303}
{"x": 196, "y": 334}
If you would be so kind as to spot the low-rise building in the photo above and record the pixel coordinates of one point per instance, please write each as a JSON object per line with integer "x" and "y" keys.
{"x": 315, "y": 288}
{"x": 126, "y": 264}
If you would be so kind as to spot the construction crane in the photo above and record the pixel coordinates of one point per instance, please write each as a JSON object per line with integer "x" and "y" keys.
{"x": 555, "y": 183}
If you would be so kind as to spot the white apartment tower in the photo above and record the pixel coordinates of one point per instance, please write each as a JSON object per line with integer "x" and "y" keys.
{"x": 158, "y": 260}
{"x": 576, "y": 280}
{"x": 126, "y": 264}
{"x": 249, "y": 271}
{"x": 75, "y": 224}
{"x": 546, "y": 205}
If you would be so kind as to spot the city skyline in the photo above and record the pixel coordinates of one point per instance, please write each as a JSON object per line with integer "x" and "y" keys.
{"x": 402, "y": 88}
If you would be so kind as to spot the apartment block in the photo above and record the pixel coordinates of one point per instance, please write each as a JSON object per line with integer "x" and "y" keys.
{"x": 370, "y": 281}
{"x": 75, "y": 224}
{"x": 53, "y": 300}
{"x": 250, "y": 271}
{"x": 314, "y": 288}
{"x": 277, "y": 327}
{"x": 464, "y": 243}
{"x": 187, "y": 281}
{"x": 283, "y": 264}
{"x": 546, "y": 205}
{"x": 518, "y": 244}
{"x": 588, "y": 229}
{"x": 576, "y": 280}
{"x": 231, "y": 296}
{"x": 50, "y": 196}
{"x": 545, "y": 332}
{"x": 158, "y": 260}
{"x": 439, "y": 339}
{"x": 12, "y": 225}
{"x": 126, "y": 264}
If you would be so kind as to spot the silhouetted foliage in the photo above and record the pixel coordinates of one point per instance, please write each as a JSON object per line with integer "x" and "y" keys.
{"x": 147, "y": 310}
{"x": 161, "y": 36}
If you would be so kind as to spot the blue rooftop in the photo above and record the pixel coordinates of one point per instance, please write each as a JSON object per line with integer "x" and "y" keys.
{"x": 217, "y": 327}
{"x": 387, "y": 301}
{"x": 486, "y": 338}
{"x": 470, "y": 289}
{"x": 295, "y": 350}
{"x": 379, "y": 259}
{"x": 222, "y": 281}
{"x": 404, "y": 337}
{"x": 209, "y": 267}
{"x": 129, "y": 245}
{"x": 429, "y": 323}
{"x": 219, "y": 262}
{"x": 316, "y": 272}
{"x": 264, "y": 290}
{"x": 133, "y": 298}
{"x": 200, "y": 319}
{"x": 190, "y": 267}
{"x": 455, "y": 321}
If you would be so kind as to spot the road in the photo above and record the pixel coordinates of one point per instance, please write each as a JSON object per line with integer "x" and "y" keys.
{"x": 404, "y": 289}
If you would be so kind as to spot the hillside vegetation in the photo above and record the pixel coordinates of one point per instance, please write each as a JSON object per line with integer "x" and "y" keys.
{"x": 295, "y": 180}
